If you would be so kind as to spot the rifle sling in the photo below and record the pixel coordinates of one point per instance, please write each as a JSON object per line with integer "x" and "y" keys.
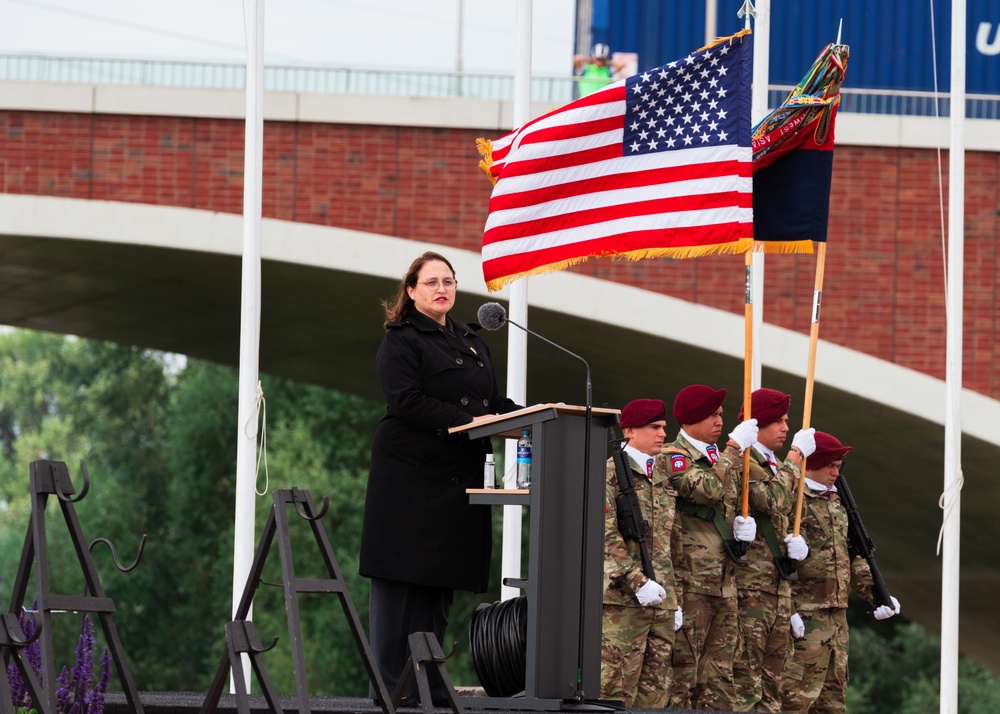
{"x": 706, "y": 513}
{"x": 766, "y": 529}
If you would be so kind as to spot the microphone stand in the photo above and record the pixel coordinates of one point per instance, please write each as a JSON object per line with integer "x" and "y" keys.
{"x": 579, "y": 695}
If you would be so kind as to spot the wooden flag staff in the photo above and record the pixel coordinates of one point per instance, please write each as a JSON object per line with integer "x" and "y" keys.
{"x": 810, "y": 375}
{"x": 747, "y": 375}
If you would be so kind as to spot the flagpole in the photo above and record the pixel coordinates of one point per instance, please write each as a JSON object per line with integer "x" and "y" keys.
{"x": 246, "y": 440}
{"x": 951, "y": 527}
{"x": 517, "y": 340}
{"x": 810, "y": 374}
{"x": 758, "y": 110}
{"x": 754, "y": 259}
{"x": 747, "y": 371}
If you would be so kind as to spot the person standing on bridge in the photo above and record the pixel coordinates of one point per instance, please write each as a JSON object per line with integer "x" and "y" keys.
{"x": 815, "y": 676}
{"x": 597, "y": 70}
{"x": 420, "y": 538}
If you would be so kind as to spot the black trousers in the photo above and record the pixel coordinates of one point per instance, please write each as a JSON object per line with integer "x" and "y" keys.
{"x": 395, "y": 610}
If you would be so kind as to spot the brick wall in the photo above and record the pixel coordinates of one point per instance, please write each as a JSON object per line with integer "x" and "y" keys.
{"x": 884, "y": 291}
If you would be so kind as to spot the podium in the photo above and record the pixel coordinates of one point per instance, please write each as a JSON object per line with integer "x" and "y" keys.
{"x": 565, "y": 573}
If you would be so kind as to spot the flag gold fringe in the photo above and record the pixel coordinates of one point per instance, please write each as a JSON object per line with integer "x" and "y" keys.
{"x": 721, "y": 40}
{"x": 784, "y": 246}
{"x": 485, "y": 148}
{"x": 736, "y": 247}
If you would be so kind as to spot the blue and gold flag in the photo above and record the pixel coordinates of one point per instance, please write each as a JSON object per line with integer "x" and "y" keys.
{"x": 793, "y": 159}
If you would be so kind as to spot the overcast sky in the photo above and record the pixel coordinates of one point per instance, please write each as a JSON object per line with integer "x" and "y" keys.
{"x": 422, "y": 34}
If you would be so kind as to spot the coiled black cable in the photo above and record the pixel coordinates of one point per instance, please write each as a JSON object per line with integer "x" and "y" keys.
{"x": 498, "y": 644}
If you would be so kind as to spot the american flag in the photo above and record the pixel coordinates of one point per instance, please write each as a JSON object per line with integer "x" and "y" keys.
{"x": 658, "y": 164}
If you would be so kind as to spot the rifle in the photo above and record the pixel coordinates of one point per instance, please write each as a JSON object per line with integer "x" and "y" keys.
{"x": 860, "y": 543}
{"x": 631, "y": 524}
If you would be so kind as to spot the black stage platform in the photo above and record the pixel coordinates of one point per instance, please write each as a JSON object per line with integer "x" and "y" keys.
{"x": 190, "y": 703}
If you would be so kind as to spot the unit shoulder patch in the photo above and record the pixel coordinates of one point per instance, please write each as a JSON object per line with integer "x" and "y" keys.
{"x": 678, "y": 461}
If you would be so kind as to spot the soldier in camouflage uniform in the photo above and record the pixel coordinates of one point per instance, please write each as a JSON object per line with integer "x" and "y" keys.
{"x": 706, "y": 483}
{"x": 764, "y": 596}
{"x": 815, "y": 677}
{"x": 639, "y": 612}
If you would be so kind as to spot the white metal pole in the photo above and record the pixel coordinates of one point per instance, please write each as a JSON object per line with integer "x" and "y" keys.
{"x": 758, "y": 110}
{"x": 459, "y": 38}
{"x": 517, "y": 340}
{"x": 246, "y": 432}
{"x": 711, "y": 20}
{"x": 951, "y": 529}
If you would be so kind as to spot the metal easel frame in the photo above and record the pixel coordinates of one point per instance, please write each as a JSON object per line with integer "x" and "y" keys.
{"x": 277, "y": 525}
{"x": 52, "y": 478}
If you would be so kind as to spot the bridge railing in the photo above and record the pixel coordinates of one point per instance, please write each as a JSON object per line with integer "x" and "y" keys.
{"x": 555, "y": 90}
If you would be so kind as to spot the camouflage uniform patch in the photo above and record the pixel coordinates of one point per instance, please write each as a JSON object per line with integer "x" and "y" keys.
{"x": 705, "y": 647}
{"x": 764, "y": 597}
{"x": 637, "y": 642}
{"x": 704, "y": 651}
{"x": 815, "y": 676}
{"x": 636, "y": 648}
{"x": 767, "y": 644}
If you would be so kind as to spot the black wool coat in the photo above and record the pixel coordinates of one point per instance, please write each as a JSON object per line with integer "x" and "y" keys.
{"x": 418, "y": 524}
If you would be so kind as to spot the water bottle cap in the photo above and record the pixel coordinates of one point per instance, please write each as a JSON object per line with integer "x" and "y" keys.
{"x": 489, "y": 458}
{"x": 524, "y": 432}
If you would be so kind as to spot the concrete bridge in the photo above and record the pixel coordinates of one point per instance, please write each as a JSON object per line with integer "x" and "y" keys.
{"x": 119, "y": 220}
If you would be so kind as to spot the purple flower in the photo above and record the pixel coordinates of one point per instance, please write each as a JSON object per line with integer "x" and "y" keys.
{"x": 75, "y": 692}
{"x": 64, "y": 694}
{"x": 96, "y": 699}
{"x": 19, "y": 688}
{"x": 83, "y": 670}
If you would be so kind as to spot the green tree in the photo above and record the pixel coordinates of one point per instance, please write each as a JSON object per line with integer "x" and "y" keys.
{"x": 895, "y": 666}
{"x": 160, "y": 448}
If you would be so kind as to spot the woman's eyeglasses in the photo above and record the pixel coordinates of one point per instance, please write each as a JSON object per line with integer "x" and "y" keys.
{"x": 434, "y": 284}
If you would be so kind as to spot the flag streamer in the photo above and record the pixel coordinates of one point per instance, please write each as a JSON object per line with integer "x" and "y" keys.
{"x": 656, "y": 165}
{"x": 793, "y": 159}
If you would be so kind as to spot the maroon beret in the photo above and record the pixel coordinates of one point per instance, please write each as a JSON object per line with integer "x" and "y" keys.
{"x": 640, "y": 412}
{"x": 828, "y": 450}
{"x": 697, "y": 402}
{"x": 767, "y": 406}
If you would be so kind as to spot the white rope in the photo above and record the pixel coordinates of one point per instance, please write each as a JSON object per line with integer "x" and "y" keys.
{"x": 259, "y": 409}
{"x": 946, "y": 502}
{"x": 947, "y": 499}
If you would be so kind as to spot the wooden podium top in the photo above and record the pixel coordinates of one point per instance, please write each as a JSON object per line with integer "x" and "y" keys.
{"x": 515, "y": 432}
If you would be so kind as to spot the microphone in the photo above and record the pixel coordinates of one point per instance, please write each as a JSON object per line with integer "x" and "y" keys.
{"x": 491, "y": 316}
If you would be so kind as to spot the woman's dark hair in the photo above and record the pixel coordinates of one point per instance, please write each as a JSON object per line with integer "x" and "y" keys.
{"x": 396, "y": 308}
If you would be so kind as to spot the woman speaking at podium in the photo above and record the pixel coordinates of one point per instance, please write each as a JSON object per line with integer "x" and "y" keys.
{"x": 420, "y": 538}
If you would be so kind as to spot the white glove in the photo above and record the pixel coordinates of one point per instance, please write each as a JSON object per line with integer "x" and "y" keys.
{"x": 678, "y": 619}
{"x": 744, "y": 529}
{"x": 805, "y": 441}
{"x": 745, "y": 433}
{"x": 796, "y": 547}
{"x": 884, "y": 612}
{"x": 650, "y": 594}
{"x": 798, "y": 627}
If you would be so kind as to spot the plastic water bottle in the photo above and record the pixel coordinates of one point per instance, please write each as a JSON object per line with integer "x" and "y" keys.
{"x": 524, "y": 460}
{"x": 489, "y": 472}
